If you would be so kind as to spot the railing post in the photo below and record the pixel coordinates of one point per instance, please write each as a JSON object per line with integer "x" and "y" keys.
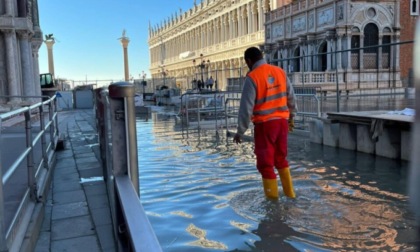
{"x": 30, "y": 157}
{"x": 100, "y": 122}
{"x": 50, "y": 116}
{"x": 124, "y": 135}
{"x": 43, "y": 138}
{"x": 3, "y": 245}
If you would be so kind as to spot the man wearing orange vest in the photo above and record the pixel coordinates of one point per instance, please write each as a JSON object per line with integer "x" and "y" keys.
{"x": 268, "y": 100}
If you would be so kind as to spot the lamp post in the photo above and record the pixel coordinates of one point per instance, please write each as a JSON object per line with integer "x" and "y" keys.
{"x": 143, "y": 83}
{"x": 203, "y": 64}
{"x": 164, "y": 73}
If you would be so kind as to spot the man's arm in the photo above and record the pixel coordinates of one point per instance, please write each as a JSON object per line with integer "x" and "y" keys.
{"x": 246, "y": 106}
{"x": 291, "y": 98}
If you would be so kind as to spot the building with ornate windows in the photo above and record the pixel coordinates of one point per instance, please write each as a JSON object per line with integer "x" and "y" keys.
{"x": 304, "y": 36}
{"x": 208, "y": 40}
{"x": 20, "y": 40}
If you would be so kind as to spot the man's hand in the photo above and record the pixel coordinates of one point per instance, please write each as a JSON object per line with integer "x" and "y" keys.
{"x": 237, "y": 138}
{"x": 291, "y": 124}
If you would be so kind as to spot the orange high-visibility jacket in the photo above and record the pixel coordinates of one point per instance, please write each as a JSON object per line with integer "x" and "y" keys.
{"x": 271, "y": 93}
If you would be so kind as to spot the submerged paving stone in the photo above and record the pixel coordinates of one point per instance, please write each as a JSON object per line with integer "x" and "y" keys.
{"x": 69, "y": 210}
{"x": 71, "y": 228}
{"x": 87, "y": 243}
{"x": 91, "y": 165}
{"x": 69, "y": 197}
{"x": 83, "y": 160}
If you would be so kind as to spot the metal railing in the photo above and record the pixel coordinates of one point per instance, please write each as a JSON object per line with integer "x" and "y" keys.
{"x": 31, "y": 160}
{"x": 115, "y": 114}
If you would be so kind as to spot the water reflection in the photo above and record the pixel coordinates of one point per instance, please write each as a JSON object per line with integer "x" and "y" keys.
{"x": 202, "y": 193}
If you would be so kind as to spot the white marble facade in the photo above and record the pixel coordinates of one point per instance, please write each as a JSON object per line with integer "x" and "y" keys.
{"x": 217, "y": 29}
{"x": 321, "y": 27}
{"x": 20, "y": 40}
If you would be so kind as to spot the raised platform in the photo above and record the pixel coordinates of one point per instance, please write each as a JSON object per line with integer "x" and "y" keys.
{"x": 382, "y": 133}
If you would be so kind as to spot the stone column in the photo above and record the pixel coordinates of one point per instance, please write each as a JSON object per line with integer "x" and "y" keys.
{"x": 50, "y": 44}
{"x": 329, "y": 57}
{"x": 124, "y": 42}
{"x": 260, "y": 15}
{"x": 361, "y": 58}
{"x": 240, "y": 19}
{"x": 379, "y": 52}
{"x": 339, "y": 48}
{"x": 10, "y": 8}
{"x": 249, "y": 13}
{"x": 254, "y": 18}
{"x": 35, "y": 64}
{"x": 231, "y": 24}
{"x": 397, "y": 52}
{"x": 203, "y": 36}
{"x": 26, "y": 58}
{"x": 348, "y": 42}
{"x": 12, "y": 75}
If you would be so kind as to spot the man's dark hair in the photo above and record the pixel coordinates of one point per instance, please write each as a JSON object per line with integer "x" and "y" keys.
{"x": 253, "y": 54}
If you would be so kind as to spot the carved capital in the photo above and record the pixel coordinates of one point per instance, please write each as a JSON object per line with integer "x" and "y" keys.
{"x": 24, "y": 34}
{"x": 8, "y": 32}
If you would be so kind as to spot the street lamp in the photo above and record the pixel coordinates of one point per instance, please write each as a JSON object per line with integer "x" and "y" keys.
{"x": 164, "y": 73}
{"x": 143, "y": 83}
{"x": 203, "y": 64}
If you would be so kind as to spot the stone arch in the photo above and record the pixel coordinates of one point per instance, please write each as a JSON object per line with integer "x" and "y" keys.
{"x": 296, "y": 60}
{"x": 370, "y": 38}
{"x": 322, "y": 56}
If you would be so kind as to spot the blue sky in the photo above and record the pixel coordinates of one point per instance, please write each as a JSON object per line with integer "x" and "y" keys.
{"x": 87, "y": 32}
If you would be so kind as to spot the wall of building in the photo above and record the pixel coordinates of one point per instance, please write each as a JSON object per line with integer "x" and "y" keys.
{"x": 321, "y": 27}
{"x": 408, "y": 24}
{"x": 20, "y": 39}
{"x": 218, "y": 30}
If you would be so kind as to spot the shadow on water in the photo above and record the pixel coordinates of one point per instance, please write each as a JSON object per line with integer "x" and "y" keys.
{"x": 203, "y": 193}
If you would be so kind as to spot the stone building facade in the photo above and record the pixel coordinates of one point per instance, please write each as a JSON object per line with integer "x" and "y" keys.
{"x": 20, "y": 40}
{"x": 409, "y": 13}
{"x": 304, "y": 35}
{"x": 208, "y": 40}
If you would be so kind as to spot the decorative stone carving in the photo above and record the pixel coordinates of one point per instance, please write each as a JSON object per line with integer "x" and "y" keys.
{"x": 311, "y": 20}
{"x": 325, "y": 17}
{"x": 278, "y": 30}
{"x": 340, "y": 12}
{"x": 299, "y": 24}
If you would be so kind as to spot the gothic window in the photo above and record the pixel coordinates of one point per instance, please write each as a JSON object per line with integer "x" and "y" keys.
{"x": 386, "y": 51}
{"x": 371, "y": 39}
{"x": 296, "y": 61}
{"x": 355, "y": 43}
{"x": 323, "y": 57}
{"x": 275, "y": 58}
{"x": 414, "y": 7}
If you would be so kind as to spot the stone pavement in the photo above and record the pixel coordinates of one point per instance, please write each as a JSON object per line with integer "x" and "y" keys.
{"x": 77, "y": 212}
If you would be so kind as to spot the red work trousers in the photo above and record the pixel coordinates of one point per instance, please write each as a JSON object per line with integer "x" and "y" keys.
{"x": 270, "y": 140}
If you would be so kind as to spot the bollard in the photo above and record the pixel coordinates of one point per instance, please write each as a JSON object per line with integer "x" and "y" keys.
{"x": 124, "y": 135}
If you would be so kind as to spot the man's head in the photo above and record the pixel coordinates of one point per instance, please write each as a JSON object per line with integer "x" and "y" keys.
{"x": 251, "y": 56}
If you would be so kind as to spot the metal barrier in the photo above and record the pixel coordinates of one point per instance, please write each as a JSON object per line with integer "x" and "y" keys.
{"x": 32, "y": 162}
{"x": 115, "y": 114}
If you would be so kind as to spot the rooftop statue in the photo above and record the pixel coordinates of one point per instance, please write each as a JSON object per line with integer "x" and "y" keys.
{"x": 49, "y": 37}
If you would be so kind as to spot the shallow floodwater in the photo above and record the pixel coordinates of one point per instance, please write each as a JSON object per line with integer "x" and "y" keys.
{"x": 202, "y": 192}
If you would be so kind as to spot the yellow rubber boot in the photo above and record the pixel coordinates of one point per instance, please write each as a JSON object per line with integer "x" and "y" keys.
{"x": 286, "y": 182}
{"x": 271, "y": 188}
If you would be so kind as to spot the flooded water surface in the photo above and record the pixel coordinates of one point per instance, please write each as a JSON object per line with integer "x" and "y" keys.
{"x": 202, "y": 192}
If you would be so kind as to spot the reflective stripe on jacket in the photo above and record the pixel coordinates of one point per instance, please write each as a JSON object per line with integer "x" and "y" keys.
{"x": 271, "y": 93}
